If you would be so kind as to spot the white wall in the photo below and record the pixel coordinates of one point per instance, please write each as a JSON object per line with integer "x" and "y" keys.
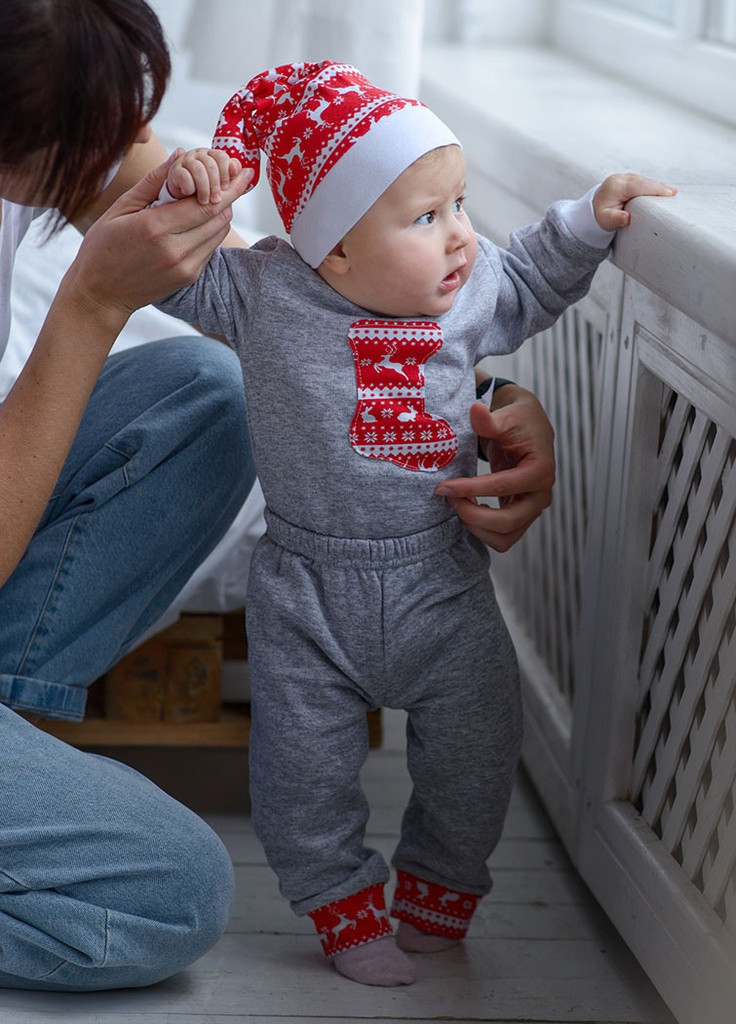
{"x": 487, "y": 21}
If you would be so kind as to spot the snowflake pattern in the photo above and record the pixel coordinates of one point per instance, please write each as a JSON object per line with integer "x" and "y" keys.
{"x": 390, "y": 421}
{"x": 433, "y": 908}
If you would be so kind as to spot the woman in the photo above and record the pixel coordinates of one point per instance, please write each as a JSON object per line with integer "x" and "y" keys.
{"x": 117, "y": 476}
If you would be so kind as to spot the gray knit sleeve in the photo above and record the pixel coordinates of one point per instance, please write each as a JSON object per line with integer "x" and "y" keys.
{"x": 544, "y": 270}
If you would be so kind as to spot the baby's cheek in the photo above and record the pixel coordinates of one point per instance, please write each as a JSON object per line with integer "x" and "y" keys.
{"x": 471, "y": 252}
{"x": 472, "y": 249}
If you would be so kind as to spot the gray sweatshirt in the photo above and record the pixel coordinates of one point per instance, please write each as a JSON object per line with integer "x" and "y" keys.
{"x": 351, "y": 431}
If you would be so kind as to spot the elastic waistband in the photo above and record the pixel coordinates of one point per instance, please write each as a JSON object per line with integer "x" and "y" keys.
{"x": 382, "y": 552}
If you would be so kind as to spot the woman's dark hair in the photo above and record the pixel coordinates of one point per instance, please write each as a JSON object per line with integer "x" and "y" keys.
{"x": 78, "y": 80}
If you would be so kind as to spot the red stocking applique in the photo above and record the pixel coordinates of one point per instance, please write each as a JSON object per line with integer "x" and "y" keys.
{"x": 390, "y": 421}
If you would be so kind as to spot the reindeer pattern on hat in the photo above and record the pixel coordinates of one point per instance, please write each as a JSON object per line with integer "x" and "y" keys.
{"x": 304, "y": 117}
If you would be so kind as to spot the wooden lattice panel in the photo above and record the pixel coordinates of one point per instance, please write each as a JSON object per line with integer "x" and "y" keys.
{"x": 542, "y": 573}
{"x": 684, "y": 768}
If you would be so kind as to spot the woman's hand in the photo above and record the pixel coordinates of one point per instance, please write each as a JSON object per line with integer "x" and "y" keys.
{"x": 132, "y": 255}
{"x": 519, "y": 442}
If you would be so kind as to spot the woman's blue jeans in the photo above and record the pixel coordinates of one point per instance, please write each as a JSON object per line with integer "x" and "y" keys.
{"x": 105, "y": 881}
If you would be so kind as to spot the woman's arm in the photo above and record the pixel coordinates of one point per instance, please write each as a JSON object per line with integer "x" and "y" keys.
{"x": 519, "y": 442}
{"x": 131, "y": 256}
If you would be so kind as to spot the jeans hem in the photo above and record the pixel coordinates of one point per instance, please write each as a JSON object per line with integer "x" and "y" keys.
{"x": 51, "y": 700}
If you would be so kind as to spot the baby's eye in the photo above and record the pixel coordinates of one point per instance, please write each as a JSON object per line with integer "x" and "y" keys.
{"x": 458, "y": 204}
{"x": 426, "y": 218}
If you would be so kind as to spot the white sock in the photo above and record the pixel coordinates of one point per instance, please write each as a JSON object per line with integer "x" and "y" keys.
{"x": 376, "y": 963}
{"x": 413, "y": 940}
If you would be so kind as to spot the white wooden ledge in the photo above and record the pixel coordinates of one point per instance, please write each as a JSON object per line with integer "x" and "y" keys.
{"x": 546, "y": 127}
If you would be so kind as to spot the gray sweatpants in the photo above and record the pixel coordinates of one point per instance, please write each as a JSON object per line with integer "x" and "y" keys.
{"x": 338, "y": 626}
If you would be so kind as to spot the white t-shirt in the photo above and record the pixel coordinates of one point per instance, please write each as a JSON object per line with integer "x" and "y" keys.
{"x": 15, "y": 222}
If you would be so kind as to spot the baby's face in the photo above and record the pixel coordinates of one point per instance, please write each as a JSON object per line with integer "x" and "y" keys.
{"x": 413, "y": 250}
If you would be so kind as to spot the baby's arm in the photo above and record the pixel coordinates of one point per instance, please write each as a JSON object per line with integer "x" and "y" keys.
{"x": 545, "y": 270}
{"x": 203, "y": 173}
{"x": 613, "y": 194}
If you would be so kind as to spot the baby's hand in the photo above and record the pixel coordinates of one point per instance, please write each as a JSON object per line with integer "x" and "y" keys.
{"x": 613, "y": 194}
{"x": 201, "y": 172}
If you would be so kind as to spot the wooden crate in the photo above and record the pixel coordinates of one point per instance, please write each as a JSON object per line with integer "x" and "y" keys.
{"x": 174, "y": 677}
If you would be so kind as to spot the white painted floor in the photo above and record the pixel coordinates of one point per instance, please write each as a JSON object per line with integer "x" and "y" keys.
{"x": 539, "y": 949}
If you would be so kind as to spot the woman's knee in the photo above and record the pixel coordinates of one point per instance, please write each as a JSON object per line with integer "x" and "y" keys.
{"x": 212, "y": 362}
{"x": 138, "y": 886}
{"x": 170, "y": 897}
{"x": 191, "y": 901}
{"x": 201, "y": 376}
{"x": 209, "y": 881}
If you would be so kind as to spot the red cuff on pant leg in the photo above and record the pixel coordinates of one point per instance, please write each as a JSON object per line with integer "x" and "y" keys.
{"x": 433, "y": 908}
{"x": 352, "y": 921}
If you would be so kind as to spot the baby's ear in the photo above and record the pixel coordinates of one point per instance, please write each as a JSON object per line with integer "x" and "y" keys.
{"x": 337, "y": 260}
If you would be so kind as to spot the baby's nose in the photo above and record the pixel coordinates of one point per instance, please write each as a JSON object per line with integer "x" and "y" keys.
{"x": 459, "y": 237}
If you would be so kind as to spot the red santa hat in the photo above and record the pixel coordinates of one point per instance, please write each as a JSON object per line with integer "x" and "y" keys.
{"x": 334, "y": 143}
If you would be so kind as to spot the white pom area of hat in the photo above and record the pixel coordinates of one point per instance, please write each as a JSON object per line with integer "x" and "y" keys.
{"x": 363, "y": 174}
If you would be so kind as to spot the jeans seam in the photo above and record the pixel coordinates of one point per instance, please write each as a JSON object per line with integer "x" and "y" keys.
{"x": 32, "y": 637}
{"x": 107, "y": 938}
{"x": 124, "y": 455}
{"x": 50, "y": 974}
{"x": 16, "y": 881}
{"x": 65, "y": 963}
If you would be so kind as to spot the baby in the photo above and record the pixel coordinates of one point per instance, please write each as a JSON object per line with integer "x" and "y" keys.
{"x": 358, "y": 343}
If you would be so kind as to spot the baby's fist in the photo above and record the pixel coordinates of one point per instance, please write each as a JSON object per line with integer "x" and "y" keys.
{"x": 613, "y": 194}
{"x": 203, "y": 173}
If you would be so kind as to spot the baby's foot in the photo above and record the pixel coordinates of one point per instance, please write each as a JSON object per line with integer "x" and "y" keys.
{"x": 376, "y": 963}
{"x": 412, "y": 940}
